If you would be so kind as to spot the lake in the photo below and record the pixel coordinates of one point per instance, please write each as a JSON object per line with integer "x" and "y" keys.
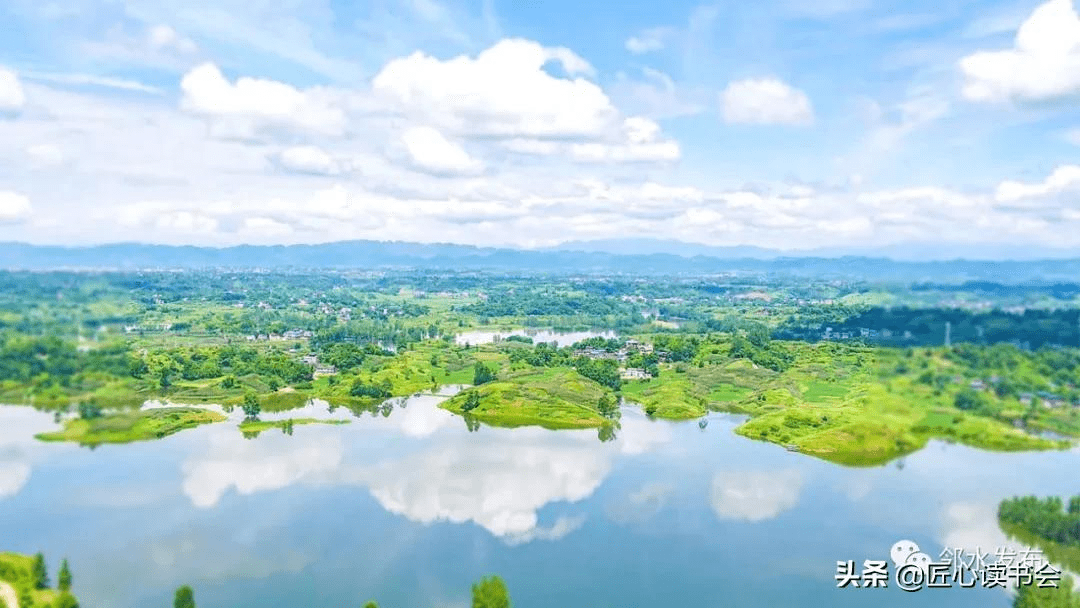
{"x": 411, "y": 508}
{"x": 561, "y": 338}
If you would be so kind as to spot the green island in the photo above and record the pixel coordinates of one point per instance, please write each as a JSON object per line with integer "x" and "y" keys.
{"x": 255, "y": 426}
{"x": 24, "y": 583}
{"x": 129, "y": 426}
{"x": 853, "y": 372}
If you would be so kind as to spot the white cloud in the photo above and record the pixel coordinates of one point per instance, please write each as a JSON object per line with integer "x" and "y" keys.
{"x": 1073, "y": 136}
{"x": 1062, "y": 179}
{"x": 754, "y": 496}
{"x": 309, "y": 159}
{"x": 12, "y": 96}
{"x": 431, "y": 151}
{"x": 14, "y": 207}
{"x": 1043, "y": 64}
{"x": 765, "y": 101}
{"x": 639, "y": 144}
{"x": 45, "y": 155}
{"x": 503, "y": 92}
{"x": 652, "y": 39}
{"x": 165, "y": 38}
{"x": 250, "y": 104}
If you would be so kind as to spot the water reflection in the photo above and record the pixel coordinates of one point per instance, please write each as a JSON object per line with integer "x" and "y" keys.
{"x": 270, "y": 462}
{"x": 18, "y": 446}
{"x": 498, "y": 480}
{"x": 755, "y": 495}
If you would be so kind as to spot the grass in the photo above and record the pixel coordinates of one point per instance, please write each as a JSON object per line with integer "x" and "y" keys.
{"x": 126, "y": 427}
{"x": 257, "y": 426}
{"x": 671, "y": 395}
{"x": 16, "y": 570}
{"x": 554, "y": 398}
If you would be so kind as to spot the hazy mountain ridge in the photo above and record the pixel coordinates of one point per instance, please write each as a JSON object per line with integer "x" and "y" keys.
{"x": 390, "y": 255}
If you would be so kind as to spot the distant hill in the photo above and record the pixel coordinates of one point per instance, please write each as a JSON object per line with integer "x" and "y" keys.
{"x": 908, "y": 252}
{"x": 692, "y": 260}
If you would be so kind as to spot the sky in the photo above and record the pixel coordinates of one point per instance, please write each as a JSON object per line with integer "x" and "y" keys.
{"x": 782, "y": 124}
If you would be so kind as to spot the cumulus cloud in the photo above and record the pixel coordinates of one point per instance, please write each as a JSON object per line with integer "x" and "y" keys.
{"x": 430, "y": 151}
{"x": 14, "y": 207}
{"x": 12, "y": 96}
{"x": 504, "y": 91}
{"x": 765, "y": 101}
{"x": 649, "y": 40}
{"x": 1043, "y": 64}
{"x": 755, "y": 496}
{"x": 1062, "y": 179}
{"x": 250, "y": 104}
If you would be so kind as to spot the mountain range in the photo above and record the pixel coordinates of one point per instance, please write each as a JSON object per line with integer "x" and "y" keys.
{"x": 621, "y": 256}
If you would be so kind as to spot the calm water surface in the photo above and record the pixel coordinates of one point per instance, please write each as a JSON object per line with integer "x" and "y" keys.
{"x": 411, "y": 508}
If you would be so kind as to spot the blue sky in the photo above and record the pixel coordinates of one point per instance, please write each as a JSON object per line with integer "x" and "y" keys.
{"x": 781, "y": 124}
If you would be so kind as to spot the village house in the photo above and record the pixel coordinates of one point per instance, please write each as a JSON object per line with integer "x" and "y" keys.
{"x": 634, "y": 373}
{"x": 325, "y": 370}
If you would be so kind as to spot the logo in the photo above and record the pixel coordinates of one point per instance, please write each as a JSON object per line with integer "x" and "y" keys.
{"x": 914, "y": 570}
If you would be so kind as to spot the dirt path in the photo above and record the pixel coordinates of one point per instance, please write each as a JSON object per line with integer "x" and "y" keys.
{"x": 7, "y": 593}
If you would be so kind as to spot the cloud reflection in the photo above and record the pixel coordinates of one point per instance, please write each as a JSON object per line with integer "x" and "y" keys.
{"x": 755, "y": 496}
{"x": 269, "y": 462}
{"x": 426, "y": 467}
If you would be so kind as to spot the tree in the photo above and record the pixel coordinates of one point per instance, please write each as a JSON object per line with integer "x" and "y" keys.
{"x": 371, "y": 605}
{"x": 40, "y": 572}
{"x": 471, "y": 402}
{"x": 607, "y": 406}
{"x": 482, "y": 374}
{"x": 65, "y": 600}
{"x": 251, "y": 405}
{"x": 63, "y": 580}
{"x": 185, "y": 598}
{"x": 490, "y": 592}
{"x": 89, "y": 411}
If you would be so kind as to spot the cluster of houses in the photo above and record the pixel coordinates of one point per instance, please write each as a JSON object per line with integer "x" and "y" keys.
{"x": 862, "y": 332}
{"x": 1047, "y": 398}
{"x": 630, "y": 347}
{"x": 292, "y": 334}
{"x": 321, "y": 369}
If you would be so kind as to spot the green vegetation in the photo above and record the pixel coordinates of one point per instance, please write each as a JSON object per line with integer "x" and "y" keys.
{"x": 28, "y": 577}
{"x": 1049, "y": 524}
{"x": 184, "y": 598}
{"x": 1062, "y": 596}
{"x": 107, "y": 342}
{"x": 553, "y": 398}
{"x": 490, "y": 592}
{"x": 125, "y": 427}
{"x": 257, "y": 426}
